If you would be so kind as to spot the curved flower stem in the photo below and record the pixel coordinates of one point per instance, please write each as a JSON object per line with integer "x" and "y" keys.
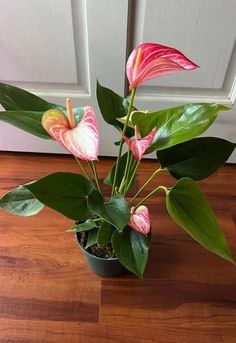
{"x": 151, "y": 193}
{"x": 123, "y": 134}
{"x": 82, "y": 168}
{"x": 94, "y": 171}
{"x": 145, "y": 184}
{"x": 132, "y": 177}
{"x": 123, "y": 181}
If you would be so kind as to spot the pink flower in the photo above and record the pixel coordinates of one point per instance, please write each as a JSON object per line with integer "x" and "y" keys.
{"x": 139, "y": 145}
{"x": 151, "y": 60}
{"x": 140, "y": 219}
{"x": 80, "y": 140}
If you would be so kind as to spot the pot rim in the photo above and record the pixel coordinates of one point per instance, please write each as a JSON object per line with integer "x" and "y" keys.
{"x": 96, "y": 257}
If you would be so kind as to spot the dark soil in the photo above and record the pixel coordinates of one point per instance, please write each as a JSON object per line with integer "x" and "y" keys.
{"x": 97, "y": 250}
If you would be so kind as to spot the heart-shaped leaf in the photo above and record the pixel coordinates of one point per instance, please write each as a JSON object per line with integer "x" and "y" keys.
{"x": 178, "y": 124}
{"x": 116, "y": 211}
{"x": 21, "y": 201}
{"x": 198, "y": 158}
{"x": 131, "y": 248}
{"x": 112, "y": 106}
{"x": 64, "y": 192}
{"x": 188, "y": 207}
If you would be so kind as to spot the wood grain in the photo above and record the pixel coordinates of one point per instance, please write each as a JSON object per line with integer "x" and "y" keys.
{"x": 47, "y": 293}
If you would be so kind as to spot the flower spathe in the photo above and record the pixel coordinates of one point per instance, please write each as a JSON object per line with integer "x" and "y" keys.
{"x": 140, "y": 219}
{"x": 139, "y": 145}
{"x": 149, "y": 60}
{"x": 81, "y": 140}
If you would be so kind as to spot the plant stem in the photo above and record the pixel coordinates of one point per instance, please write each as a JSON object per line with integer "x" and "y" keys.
{"x": 82, "y": 168}
{"x": 123, "y": 181}
{"x": 145, "y": 184}
{"x": 123, "y": 134}
{"x": 94, "y": 171}
{"x": 150, "y": 194}
{"x": 132, "y": 177}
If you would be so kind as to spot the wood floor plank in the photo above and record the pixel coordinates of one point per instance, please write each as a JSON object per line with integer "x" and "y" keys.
{"x": 48, "y": 295}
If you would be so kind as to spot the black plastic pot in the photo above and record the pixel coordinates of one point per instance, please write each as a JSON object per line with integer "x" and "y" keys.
{"x": 102, "y": 266}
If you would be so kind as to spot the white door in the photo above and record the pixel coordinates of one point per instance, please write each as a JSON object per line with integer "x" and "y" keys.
{"x": 58, "y": 48}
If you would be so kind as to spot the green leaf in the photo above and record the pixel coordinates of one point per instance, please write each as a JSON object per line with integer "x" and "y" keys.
{"x": 17, "y": 99}
{"x": 115, "y": 212}
{"x": 104, "y": 233}
{"x": 92, "y": 238}
{"x": 112, "y": 106}
{"x": 131, "y": 248}
{"x": 24, "y": 109}
{"x": 178, "y": 124}
{"x": 197, "y": 158}
{"x": 120, "y": 172}
{"x": 21, "y": 201}
{"x": 188, "y": 207}
{"x": 64, "y": 192}
{"x": 85, "y": 226}
{"x": 28, "y": 121}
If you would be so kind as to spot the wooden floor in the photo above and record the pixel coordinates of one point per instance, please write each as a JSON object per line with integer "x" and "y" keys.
{"x": 47, "y": 294}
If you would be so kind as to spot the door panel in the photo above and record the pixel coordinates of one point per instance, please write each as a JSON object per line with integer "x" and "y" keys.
{"x": 204, "y": 30}
{"x": 60, "y": 50}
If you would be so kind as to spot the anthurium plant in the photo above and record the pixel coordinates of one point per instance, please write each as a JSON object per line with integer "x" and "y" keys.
{"x": 115, "y": 222}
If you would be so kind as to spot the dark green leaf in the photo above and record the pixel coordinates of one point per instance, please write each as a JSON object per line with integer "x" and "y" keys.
{"x": 112, "y": 106}
{"x": 197, "y": 158}
{"x": 131, "y": 248}
{"x": 188, "y": 207}
{"x": 64, "y": 192}
{"x": 115, "y": 212}
{"x": 178, "y": 124}
{"x": 17, "y": 99}
{"x": 28, "y": 121}
{"x": 21, "y": 201}
{"x": 85, "y": 226}
{"x": 120, "y": 172}
{"x": 104, "y": 233}
{"x": 92, "y": 238}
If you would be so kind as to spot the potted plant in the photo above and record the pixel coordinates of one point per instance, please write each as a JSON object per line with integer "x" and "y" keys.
{"x": 114, "y": 233}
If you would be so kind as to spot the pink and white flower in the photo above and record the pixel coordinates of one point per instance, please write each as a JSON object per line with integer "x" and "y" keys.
{"x": 149, "y": 60}
{"x": 80, "y": 140}
{"x": 140, "y": 219}
{"x": 139, "y": 145}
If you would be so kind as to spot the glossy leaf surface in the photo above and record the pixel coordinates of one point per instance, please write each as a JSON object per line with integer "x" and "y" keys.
{"x": 188, "y": 207}
{"x": 198, "y": 158}
{"x": 105, "y": 233}
{"x": 115, "y": 212}
{"x": 131, "y": 248}
{"x": 112, "y": 106}
{"x": 92, "y": 238}
{"x": 21, "y": 201}
{"x": 64, "y": 192}
{"x": 178, "y": 124}
{"x": 16, "y": 99}
{"x": 28, "y": 121}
